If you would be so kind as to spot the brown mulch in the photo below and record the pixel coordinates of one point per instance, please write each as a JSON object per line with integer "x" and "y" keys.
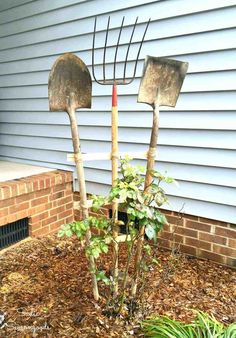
{"x": 45, "y": 291}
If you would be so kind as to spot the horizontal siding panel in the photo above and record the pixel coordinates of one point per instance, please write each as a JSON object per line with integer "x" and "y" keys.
{"x": 213, "y": 120}
{"x": 190, "y": 138}
{"x": 177, "y": 45}
{"x": 159, "y": 10}
{"x": 200, "y": 82}
{"x": 200, "y": 62}
{"x": 186, "y": 101}
{"x": 70, "y": 13}
{"x": 197, "y": 191}
{"x": 29, "y": 8}
{"x": 185, "y": 155}
{"x": 182, "y": 172}
{"x": 11, "y": 4}
{"x": 177, "y": 26}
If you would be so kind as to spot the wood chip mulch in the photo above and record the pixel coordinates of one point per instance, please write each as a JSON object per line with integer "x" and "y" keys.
{"x": 45, "y": 291}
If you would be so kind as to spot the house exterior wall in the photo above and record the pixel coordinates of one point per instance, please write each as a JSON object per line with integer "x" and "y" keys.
{"x": 196, "y": 142}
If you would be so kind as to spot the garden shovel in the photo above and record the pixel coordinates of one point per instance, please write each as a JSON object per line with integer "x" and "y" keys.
{"x": 160, "y": 86}
{"x": 70, "y": 88}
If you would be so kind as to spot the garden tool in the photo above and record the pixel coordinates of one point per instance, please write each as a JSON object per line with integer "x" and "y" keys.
{"x": 114, "y": 81}
{"x": 70, "y": 88}
{"x": 160, "y": 85}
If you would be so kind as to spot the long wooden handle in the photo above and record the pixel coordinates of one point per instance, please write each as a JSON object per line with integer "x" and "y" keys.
{"x": 82, "y": 188}
{"x": 152, "y": 147}
{"x": 148, "y": 180}
{"x": 114, "y": 159}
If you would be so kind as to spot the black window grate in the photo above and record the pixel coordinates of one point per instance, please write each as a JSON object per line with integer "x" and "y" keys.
{"x": 122, "y": 216}
{"x": 13, "y": 232}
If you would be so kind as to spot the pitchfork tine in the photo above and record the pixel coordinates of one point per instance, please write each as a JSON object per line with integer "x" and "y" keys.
{"x": 140, "y": 46}
{"x": 127, "y": 53}
{"x": 93, "y": 50}
{"x": 105, "y": 49}
{"x": 117, "y": 46}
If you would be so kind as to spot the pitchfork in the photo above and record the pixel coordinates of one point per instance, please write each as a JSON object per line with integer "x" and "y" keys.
{"x": 114, "y": 120}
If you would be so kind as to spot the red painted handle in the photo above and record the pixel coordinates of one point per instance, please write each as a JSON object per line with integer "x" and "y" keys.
{"x": 114, "y": 95}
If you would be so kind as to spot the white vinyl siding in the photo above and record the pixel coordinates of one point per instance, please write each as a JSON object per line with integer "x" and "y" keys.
{"x": 197, "y": 139}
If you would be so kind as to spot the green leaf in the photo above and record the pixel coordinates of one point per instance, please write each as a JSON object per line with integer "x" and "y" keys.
{"x": 150, "y": 232}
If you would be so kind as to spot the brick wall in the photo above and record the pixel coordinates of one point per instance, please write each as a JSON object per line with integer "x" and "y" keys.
{"x": 201, "y": 237}
{"x": 196, "y": 236}
{"x": 46, "y": 199}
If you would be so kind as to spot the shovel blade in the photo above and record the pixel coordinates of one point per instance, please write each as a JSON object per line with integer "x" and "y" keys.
{"x": 69, "y": 77}
{"x": 161, "y": 81}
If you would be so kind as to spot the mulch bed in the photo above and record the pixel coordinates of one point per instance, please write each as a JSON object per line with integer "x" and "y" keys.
{"x": 45, "y": 291}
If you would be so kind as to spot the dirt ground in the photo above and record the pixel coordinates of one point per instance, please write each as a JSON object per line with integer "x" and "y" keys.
{"x": 45, "y": 291}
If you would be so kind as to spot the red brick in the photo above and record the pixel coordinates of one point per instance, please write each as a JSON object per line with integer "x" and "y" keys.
{"x": 41, "y": 232}
{"x": 178, "y": 238}
{"x": 55, "y": 226}
{"x": 22, "y": 214}
{"x": 186, "y": 232}
{"x": 40, "y": 217}
{"x": 64, "y": 214}
{"x": 188, "y": 250}
{"x": 49, "y": 220}
{"x": 42, "y": 192}
{"x": 23, "y": 198}
{"x": 212, "y": 221}
{"x": 4, "y": 212}
{"x": 57, "y": 210}
{"x": 40, "y": 208}
{"x": 60, "y": 187}
{"x": 164, "y": 243}
{"x": 40, "y": 200}
{"x": 69, "y": 219}
{"x": 65, "y": 200}
{"x": 166, "y": 212}
{"x": 175, "y": 220}
{"x": 7, "y": 203}
{"x": 198, "y": 226}
{"x": 223, "y": 250}
{"x": 19, "y": 207}
{"x": 191, "y": 217}
{"x": 226, "y": 232}
{"x": 198, "y": 244}
{"x": 212, "y": 256}
{"x": 212, "y": 238}
{"x": 6, "y": 191}
{"x": 57, "y": 195}
{"x": 165, "y": 235}
{"x": 232, "y": 243}
{"x": 69, "y": 206}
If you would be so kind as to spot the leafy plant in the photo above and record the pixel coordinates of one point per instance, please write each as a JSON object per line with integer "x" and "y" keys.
{"x": 203, "y": 326}
{"x": 142, "y": 208}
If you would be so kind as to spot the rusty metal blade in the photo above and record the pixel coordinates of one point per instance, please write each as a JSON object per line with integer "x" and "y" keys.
{"x": 69, "y": 76}
{"x": 161, "y": 81}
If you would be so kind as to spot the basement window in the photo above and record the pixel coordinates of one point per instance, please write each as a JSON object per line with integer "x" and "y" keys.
{"x": 122, "y": 216}
{"x": 13, "y": 232}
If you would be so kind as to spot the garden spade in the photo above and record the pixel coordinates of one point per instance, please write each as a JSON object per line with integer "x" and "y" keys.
{"x": 160, "y": 86}
{"x": 70, "y": 88}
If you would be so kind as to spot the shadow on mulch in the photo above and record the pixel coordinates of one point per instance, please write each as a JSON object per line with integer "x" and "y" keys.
{"x": 45, "y": 291}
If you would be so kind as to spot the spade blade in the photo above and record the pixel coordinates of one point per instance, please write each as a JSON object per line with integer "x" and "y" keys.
{"x": 161, "y": 81}
{"x": 69, "y": 77}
